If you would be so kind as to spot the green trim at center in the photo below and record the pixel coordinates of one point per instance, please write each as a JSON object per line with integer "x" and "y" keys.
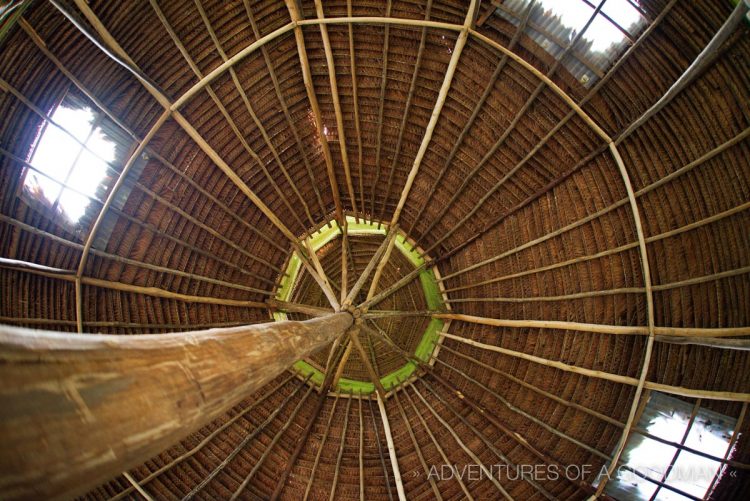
{"x": 432, "y": 294}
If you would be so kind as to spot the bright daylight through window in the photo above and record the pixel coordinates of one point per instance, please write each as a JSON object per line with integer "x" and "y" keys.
{"x": 70, "y": 161}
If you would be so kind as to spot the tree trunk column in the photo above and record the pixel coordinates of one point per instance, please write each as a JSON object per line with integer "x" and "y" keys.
{"x": 77, "y": 410}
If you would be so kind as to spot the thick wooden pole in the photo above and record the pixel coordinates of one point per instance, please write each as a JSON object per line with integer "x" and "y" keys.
{"x": 78, "y": 410}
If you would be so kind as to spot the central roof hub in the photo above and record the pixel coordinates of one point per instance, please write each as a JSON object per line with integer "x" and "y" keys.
{"x": 366, "y": 265}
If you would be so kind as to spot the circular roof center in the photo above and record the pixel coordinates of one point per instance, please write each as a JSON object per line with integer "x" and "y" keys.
{"x": 390, "y": 289}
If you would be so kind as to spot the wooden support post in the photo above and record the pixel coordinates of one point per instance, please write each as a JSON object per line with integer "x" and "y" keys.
{"x": 174, "y": 384}
{"x": 391, "y": 451}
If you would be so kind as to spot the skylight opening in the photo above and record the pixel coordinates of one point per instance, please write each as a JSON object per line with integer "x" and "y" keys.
{"x": 555, "y": 24}
{"x": 668, "y": 418}
{"x": 72, "y": 156}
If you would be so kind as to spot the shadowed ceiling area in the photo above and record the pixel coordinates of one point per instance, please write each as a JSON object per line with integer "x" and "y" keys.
{"x": 535, "y": 212}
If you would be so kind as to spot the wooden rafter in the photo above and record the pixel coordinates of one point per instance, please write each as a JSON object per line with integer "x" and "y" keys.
{"x": 311, "y": 96}
{"x": 487, "y": 473}
{"x": 340, "y": 128}
{"x": 381, "y": 105}
{"x": 118, "y": 52}
{"x": 439, "y": 103}
{"x": 417, "y": 449}
{"x": 391, "y": 451}
{"x": 246, "y": 481}
{"x": 284, "y": 107}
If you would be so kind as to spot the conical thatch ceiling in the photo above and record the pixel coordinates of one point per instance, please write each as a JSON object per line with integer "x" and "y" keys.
{"x": 567, "y": 184}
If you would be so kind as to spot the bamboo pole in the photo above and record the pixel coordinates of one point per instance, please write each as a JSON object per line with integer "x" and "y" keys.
{"x": 174, "y": 383}
{"x": 391, "y": 451}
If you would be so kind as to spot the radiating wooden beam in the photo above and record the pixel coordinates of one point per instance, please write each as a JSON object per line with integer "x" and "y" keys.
{"x": 69, "y": 276}
{"x": 391, "y": 451}
{"x": 307, "y": 309}
{"x": 487, "y": 442}
{"x": 380, "y": 451}
{"x": 701, "y": 62}
{"x": 417, "y": 449}
{"x": 246, "y": 439}
{"x": 374, "y": 377}
{"x": 113, "y": 50}
{"x": 437, "y": 445}
{"x": 340, "y": 127}
{"x": 63, "y": 397}
{"x": 696, "y": 332}
{"x": 488, "y": 474}
{"x": 439, "y": 103}
{"x": 627, "y": 380}
{"x": 311, "y": 96}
